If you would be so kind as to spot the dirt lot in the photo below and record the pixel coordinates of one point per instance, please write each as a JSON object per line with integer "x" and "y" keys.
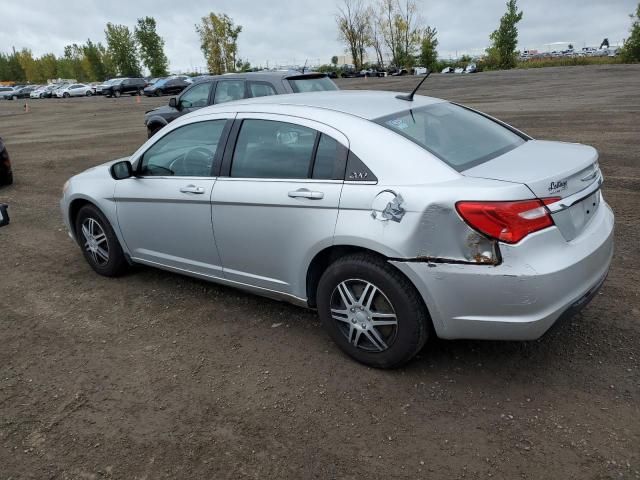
{"x": 160, "y": 376}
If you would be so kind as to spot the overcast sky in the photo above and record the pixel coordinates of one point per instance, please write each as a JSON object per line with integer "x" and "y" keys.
{"x": 290, "y": 31}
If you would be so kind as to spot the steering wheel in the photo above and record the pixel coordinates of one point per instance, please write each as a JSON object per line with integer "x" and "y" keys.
{"x": 196, "y": 162}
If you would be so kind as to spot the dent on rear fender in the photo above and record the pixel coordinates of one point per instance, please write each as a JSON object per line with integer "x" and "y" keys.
{"x": 440, "y": 236}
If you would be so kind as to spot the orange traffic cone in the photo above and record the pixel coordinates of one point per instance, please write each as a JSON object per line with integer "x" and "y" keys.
{"x": 137, "y": 98}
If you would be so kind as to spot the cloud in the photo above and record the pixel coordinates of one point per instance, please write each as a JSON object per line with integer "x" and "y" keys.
{"x": 290, "y": 32}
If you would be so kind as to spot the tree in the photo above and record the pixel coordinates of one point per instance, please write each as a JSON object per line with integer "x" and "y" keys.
{"x": 334, "y": 60}
{"x": 504, "y": 40}
{"x": 151, "y": 47}
{"x": 400, "y": 30}
{"x": 92, "y": 64}
{"x": 29, "y": 65}
{"x": 48, "y": 67}
{"x": 354, "y": 29}
{"x": 631, "y": 48}
{"x": 121, "y": 46}
{"x": 428, "y": 52}
{"x": 219, "y": 42}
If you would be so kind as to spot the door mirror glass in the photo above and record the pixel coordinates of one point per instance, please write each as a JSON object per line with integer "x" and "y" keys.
{"x": 122, "y": 170}
{"x": 173, "y": 102}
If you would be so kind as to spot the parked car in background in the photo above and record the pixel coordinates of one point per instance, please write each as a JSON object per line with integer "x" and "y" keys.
{"x": 120, "y": 86}
{"x": 6, "y": 174}
{"x": 447, "y": 70}
{"x": 60, "y": 86}
{"x": 22, "y": 92}
{"x": 166, "y": 86}
{"x": 49, "y": 92}
{"x": 38, "y": 92}
{"x": 75, "y": 90}
{"x": 295, "y": 198}
{"x": 471, "y": 68}
{"x": 213, "y": 90}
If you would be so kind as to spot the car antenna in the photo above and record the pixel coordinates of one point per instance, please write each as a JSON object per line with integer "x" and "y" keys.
{"x": 409, "y": 98}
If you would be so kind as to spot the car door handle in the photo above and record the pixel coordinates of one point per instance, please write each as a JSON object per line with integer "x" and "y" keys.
{"x": 304, "y": 193}
{"x": 192, "y": 189}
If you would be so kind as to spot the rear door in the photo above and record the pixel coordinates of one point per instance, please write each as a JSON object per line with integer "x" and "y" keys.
{"x": 278, "y": 199}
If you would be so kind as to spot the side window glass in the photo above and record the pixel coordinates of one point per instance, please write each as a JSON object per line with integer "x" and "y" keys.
{"x": 228, "y": 91}
{"x": 197, "y": 97}
{"x": 188, "y": 151}
{"x": 268, "y": 149}
{"x": 261, "y": 89}
{"x": 326, "y": 158}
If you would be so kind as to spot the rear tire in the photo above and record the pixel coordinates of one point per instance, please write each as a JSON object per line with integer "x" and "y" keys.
{"x": 364, "y": 327}
{"x": 116, "y": 93}
{"x": 100, "y": 246}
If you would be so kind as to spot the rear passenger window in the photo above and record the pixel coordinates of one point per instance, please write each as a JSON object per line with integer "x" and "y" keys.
{"x": 229, "y": 90}
{"x": 269, "y": 149}
{"x": 326, "y": 158}
{"x": 260, "y": 89}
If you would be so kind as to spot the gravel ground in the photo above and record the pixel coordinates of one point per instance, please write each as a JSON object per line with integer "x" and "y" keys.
{"x": 154, "y": 375}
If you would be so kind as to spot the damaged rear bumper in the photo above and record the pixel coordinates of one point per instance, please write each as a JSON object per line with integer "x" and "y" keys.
{"x": 539, "y": 280}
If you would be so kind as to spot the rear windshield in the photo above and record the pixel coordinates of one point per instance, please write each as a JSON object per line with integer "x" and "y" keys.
{"x": 312, "y": 84}
{"x": 459, "y": 137}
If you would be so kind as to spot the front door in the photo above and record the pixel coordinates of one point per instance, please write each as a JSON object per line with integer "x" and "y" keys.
{"x": 277, "y": 200}
{"x": 164, "y": 213}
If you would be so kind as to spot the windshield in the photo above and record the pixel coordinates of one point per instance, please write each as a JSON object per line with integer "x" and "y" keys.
{"x": 312, "y": 84}
{"x": 459, "y": 137}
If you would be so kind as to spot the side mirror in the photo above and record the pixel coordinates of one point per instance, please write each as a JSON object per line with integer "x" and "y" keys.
{"x": 122, "y": 170}
{"x": 173, "y": 102}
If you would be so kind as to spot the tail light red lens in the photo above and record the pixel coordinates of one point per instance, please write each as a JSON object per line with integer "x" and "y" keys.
{"x": 508, "y": 222}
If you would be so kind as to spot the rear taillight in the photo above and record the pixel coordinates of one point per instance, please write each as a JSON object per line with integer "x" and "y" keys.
{"x": 508, "y": 222}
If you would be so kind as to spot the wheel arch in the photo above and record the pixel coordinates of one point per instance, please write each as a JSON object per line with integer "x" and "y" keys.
{"x": 328, "y": 255}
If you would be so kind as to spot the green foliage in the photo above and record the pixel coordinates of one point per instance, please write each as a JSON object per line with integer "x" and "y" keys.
{"x": 504, "y": 40}
{"x": 428, "y": 53}
{"x": 631, "y": 48}
{"x": 219, "y": 42}
{"x": 151, "y": 47}
{"x": 122, "y": 48}
{"x": 334, "y": 60}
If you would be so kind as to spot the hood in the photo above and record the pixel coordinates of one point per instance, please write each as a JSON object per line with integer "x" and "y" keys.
{"x": 165, "y": 109}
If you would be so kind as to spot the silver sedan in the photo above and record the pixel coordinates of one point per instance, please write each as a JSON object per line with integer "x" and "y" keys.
{"x": 396, "y": 217}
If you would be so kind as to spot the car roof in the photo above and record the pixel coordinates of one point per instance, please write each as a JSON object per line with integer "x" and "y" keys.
{"x": 271, "y": 75}
{"x": 367, "y": 104}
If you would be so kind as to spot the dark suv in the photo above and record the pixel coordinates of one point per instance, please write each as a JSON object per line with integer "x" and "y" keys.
{"x": 118, "y": 86}
{"x": 6, "y": 176}
{"x": 226, "y": 88}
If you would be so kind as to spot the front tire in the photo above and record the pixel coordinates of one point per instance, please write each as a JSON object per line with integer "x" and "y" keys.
{"x": 89, "y": 93}
{"x": 116, "y": 93}
{"x": 66, "y": 95}
{"x": 372, "y": 311}
{"x": 99, "y": 243}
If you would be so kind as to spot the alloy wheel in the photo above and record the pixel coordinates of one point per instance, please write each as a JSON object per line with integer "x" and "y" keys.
{"x": 364, "y": 315}
{"x": 95, "y": 241}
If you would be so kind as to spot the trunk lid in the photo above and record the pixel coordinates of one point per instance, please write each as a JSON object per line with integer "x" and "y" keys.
{"x": 549, "y": 169}
{"x": 552, "y": 169}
